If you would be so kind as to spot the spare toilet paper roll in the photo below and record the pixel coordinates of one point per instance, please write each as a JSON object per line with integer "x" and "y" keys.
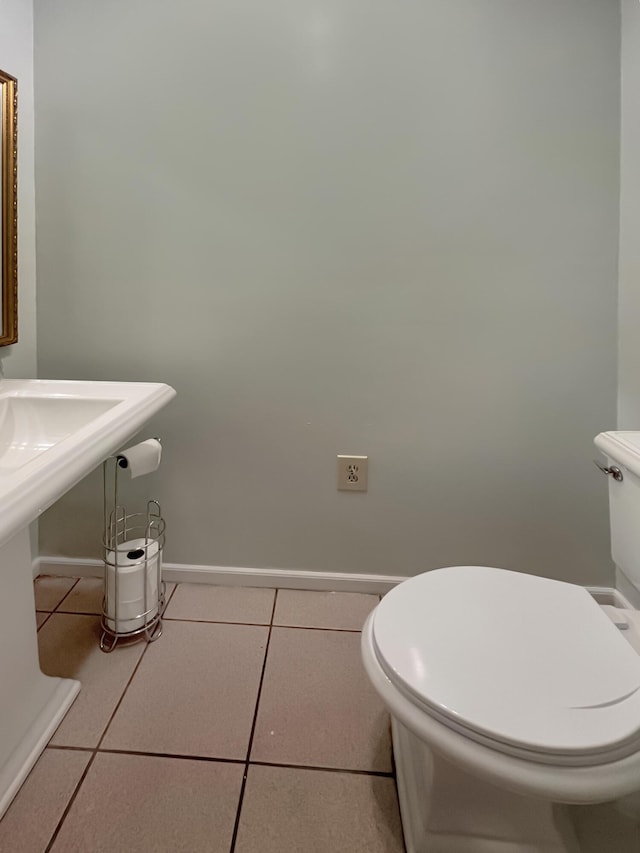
{"x": 142, "y": 458}
{"x": 131, "y": 554}
{"x": 131, "y": 603}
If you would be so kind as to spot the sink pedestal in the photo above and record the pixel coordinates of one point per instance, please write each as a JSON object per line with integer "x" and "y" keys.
{"x": 31, "y": 704}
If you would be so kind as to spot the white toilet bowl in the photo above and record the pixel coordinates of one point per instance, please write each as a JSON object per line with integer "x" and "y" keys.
{"x": 509, "y": 694}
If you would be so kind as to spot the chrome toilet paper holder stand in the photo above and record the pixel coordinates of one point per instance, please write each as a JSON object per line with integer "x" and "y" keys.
{"x": 146, "y": 532}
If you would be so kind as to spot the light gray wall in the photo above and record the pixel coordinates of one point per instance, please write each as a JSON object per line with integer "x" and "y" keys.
{"x": 349, "y": 227}
{"x": 629, "y": 346}
{"x": 16, "y": 58}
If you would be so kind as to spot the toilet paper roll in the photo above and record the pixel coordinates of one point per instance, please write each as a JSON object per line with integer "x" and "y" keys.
{"x": 142, "y": 458}
{"x": 131, "y": 554}
{"x": 131, "y": 584}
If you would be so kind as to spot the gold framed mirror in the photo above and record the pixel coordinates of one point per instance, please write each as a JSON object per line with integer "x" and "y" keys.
{"x": 9, "y": 209}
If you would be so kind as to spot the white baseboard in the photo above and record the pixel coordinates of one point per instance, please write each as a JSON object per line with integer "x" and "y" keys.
{"x": 233, "y": 576}
{"x": 84, "y": 567}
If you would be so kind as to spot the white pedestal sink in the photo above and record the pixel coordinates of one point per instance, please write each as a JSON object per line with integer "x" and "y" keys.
{"x": 52, "y": 434}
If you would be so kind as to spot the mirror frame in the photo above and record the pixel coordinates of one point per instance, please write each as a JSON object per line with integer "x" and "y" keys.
{"x": 9, "y": 208}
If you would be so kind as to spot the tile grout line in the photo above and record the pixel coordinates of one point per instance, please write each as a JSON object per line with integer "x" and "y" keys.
{"x": 168, "y": 601}
{"x": 217, "y": 621}
{"x": 146, "y": 753}
{"x": 384, "y": 774}
{"x": 72, "y": 799}
{"x": 53, "y": 609}
{"x": 67, "y": 593}
{"x": 265, "y": 624}
{"x": 94, "y": 752}
{"x": 236, "y": 825}
{"x": 387, "y": 774}
{"x": 49, "y": 615}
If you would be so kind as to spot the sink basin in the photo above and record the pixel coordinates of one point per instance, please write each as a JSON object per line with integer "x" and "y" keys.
{"x": 52, "y": 433}
{"x": 31, "y": 425}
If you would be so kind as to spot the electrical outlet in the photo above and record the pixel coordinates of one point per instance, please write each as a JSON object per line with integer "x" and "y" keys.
{"x": 353, "y": 473}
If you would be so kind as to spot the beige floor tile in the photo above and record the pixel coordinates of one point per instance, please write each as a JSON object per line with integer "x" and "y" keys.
{"x": 208, "y": 603}
{"x": 317, "y": 706}
{"x": 168, "y": 592}
{"x": 194, "y": 692}
{"x": 69, "y": 648}
{"x": 49, "y": 591}
{"x": 41, "y": 618}
{"x": 86, "y": 596}
{"x": 31, "y": 820}
{"x": 144, "y": 804}
{"x": 310, "y": 609}
{"x": 290, "y": 811}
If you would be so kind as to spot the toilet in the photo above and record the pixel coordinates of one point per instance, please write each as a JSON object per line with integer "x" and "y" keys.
{"x": 513, "y": 695}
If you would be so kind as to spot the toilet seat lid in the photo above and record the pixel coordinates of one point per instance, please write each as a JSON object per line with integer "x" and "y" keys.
{"x": 518, "y": 659}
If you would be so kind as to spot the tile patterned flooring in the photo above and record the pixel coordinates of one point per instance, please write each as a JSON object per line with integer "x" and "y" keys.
{"x": 248, "y": 726}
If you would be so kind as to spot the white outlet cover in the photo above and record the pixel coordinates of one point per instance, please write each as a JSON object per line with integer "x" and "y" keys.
{"x": 353, "y": 473}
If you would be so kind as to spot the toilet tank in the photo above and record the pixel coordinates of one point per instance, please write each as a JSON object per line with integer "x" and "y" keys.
{"x": 622, "y": 450}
